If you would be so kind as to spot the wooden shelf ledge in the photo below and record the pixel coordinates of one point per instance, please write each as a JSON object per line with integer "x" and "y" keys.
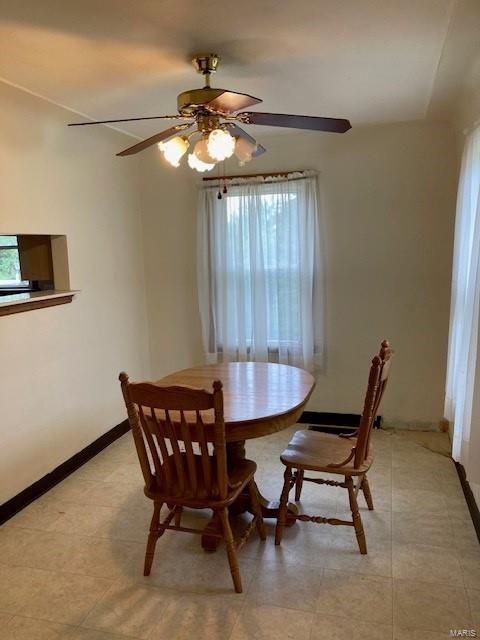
{"x": 20, "y": 302}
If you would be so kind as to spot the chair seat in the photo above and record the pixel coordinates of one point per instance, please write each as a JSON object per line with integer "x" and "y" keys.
{"x": 239, "y": 474}
{"x": 315, "y": 451}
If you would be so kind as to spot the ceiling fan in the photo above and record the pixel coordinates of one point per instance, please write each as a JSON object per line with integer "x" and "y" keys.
{"x": 214, "y": 114}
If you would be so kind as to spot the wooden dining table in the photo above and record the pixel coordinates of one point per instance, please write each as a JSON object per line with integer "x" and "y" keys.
{"x": 259, "y": 399}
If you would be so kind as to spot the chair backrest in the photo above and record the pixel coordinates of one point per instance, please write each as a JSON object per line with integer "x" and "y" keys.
{"x": 172, "y": 428}
{"x": 377, "y": 381}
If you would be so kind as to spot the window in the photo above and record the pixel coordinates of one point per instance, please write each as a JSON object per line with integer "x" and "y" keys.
{"x": 279, "y": 244}
{"x": 258, "y": 272}
{"x": 10, "y": 276}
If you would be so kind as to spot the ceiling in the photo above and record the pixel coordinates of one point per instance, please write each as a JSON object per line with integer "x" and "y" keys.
{"x": 368, "y": 60}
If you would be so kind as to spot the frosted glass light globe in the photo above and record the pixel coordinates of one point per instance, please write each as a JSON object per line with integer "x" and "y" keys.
{"x": 201, "y": 151}
{"x": 220, "y": 144}
{"x": 198, "y": 165}
{"x": 173, "y": 150}
{"x": 244, "y": 150}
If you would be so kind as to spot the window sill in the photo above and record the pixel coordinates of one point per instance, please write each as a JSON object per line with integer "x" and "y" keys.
{"x": 19, "y": 302}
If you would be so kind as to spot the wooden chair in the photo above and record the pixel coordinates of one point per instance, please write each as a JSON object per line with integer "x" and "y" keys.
{"x": 299, "y": 475}
{"x": 334, "y": 454}
{"x": 182, "y": 452}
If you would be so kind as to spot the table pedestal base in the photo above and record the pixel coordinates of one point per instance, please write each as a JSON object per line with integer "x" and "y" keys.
{"x": 242, "y": 505}
{"x": 236, "y": 451}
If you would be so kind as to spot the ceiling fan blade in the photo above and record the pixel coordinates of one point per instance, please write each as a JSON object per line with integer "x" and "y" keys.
{"x": 238, "y": 132}
{"x": 83, "y": 124}
{"x": 230, "y": 101}
{"x": 158, "y": 137}
{"x": 258, "y": 151}
{"x": 335, "y": 125}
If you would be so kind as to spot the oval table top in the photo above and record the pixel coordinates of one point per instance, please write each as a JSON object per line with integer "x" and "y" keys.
{"x": 259, "y": 397}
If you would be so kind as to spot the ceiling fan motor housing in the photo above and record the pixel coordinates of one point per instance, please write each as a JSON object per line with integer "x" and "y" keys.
{"x": 190, "y": 103}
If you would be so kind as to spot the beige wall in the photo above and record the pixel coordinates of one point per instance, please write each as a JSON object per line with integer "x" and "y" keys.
{"x": 59, "y": 366}
{"x": 169, "y": 201}
{"x": 387, "y": 202}
{"x": 388, "y": 196}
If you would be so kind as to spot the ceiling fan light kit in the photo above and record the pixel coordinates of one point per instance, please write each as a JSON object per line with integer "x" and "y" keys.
{"x": 201, "y": 151}
{"x": 244, "y": 150}
{"x": 199, "y": 165}
{"x": 174, "y": 150}
{"x": 221, "y": 145}
{"x": 213, "y": 116}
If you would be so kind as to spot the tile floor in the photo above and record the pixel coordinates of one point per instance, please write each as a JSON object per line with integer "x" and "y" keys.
{"x": 71, "y": 563}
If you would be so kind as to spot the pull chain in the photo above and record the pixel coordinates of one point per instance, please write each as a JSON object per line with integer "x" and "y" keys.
{"x": 219, "y": 194}
{"x": 221, "y": 179}
{"x": 224, "y": 190}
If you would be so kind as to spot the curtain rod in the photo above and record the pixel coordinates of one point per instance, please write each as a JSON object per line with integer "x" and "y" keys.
{"x": 283, "y": 174}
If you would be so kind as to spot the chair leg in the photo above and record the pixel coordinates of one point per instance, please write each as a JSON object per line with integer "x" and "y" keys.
{"x": 153, "y": 536}
{"x": 298, "y": 484}
{"x": 178, "y": 516}
{"x": 367, "y": 493}
{"x": 357, "y": 520}
{"x": 282, "y": 509}
{"x": 257, "y": 510}
{"x": 231, "y": 550}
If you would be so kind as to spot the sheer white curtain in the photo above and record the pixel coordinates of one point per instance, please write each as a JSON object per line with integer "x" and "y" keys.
{"x": 462, "y": 352}
{"x": 259, "y": 278}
